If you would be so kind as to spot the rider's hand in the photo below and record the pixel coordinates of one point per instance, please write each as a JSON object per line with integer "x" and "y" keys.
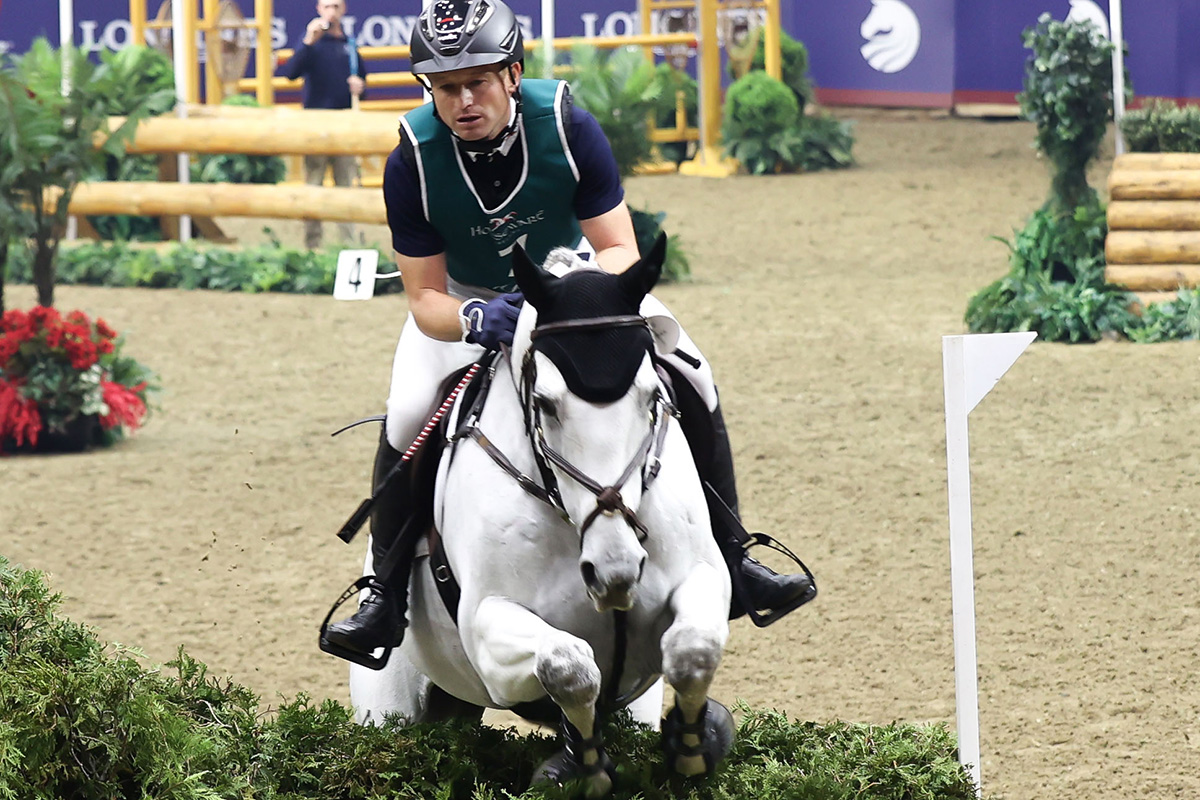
{"x": 315, "y": 30}
{"x": 490, "y": 323}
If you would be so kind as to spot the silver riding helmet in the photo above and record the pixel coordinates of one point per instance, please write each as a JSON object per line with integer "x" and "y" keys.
{"x": 457, "y": 34}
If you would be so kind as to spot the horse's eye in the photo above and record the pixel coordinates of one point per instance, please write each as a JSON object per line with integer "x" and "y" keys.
{"x": 545, "y": 406}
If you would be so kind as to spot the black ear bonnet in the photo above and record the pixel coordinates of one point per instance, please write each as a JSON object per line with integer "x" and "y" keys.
{"x": 598, "y": 365}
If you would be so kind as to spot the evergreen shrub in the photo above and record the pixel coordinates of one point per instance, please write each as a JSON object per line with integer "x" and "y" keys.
{"x": 1161, "y": 126}
{"x": 81, "y": 719}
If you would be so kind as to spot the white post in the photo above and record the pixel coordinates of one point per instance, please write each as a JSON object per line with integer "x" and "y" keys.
{"x": 971, "y": 366}
{"x": 1118, "y": 60}
{"x": 182, "y": 69}
{"x": 962, "y": 568}
{"x": 547, "y": 38}
{"x": 66, "y": 44}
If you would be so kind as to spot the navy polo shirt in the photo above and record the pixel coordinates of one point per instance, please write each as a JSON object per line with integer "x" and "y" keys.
{"x": 325, "y": 67}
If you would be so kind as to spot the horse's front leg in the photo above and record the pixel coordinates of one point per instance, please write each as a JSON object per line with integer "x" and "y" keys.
{"x": 520, "y": 658}
{"x": 698, "y": 732}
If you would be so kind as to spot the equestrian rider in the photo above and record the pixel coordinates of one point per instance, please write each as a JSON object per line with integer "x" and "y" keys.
{"x": 493, "y": 162}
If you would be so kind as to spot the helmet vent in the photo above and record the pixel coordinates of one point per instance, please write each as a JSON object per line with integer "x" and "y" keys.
{"x": 510, "y": 41}
{"x": 482, "y": 12}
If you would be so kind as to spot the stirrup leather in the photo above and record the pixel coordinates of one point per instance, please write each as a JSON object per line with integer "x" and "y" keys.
{"x": 733, "y": 557}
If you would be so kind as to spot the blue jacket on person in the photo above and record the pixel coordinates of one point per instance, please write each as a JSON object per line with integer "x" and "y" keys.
{"x": 325, "y": 67}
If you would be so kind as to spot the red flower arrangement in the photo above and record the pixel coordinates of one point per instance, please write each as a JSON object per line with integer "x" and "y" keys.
{"x": 57, "y": 372}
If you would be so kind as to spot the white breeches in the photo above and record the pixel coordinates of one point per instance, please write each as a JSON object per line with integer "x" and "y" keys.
{"x": 421, "y": 364}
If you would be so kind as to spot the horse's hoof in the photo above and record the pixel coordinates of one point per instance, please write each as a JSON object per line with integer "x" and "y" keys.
{"x": 714, "y": 729}
{"x": 563, "y": 769}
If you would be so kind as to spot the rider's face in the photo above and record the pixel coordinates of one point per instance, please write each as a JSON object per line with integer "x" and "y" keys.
{"x": 474, "y": 101}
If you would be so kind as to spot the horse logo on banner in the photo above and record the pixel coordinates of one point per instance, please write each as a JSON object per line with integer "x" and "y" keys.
{"x": 1089, "y": 11}
{"x": 893, "y": 35}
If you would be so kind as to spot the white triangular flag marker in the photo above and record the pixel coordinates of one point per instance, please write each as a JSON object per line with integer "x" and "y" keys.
{"x": 986, "y": 357}
{"x": 972, "y": 365}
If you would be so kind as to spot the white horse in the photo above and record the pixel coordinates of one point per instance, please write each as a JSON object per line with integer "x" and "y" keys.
{"x": 571, "y": 515}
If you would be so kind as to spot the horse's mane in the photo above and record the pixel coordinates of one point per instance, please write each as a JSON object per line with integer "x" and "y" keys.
{"x": 563, "y": 259}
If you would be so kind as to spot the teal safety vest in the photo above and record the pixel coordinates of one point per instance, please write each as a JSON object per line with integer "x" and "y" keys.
{"x": 539, "y": 214}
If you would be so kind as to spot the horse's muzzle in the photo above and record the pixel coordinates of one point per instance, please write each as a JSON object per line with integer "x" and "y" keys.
{"x": 615, "y": 594}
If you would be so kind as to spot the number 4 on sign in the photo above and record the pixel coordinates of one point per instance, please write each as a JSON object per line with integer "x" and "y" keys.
{"x": 355, "y": 279}
{"x": 971, "y": 366}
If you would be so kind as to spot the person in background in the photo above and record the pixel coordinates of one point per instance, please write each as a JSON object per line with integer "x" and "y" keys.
{"x": 334, "y": 78}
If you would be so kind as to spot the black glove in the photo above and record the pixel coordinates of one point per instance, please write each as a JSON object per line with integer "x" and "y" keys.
{"x": 490, "y": 323}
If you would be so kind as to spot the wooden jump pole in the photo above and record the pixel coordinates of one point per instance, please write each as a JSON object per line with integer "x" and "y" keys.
{"x": 1154, "y": 277}
{"x": 1152, "y": 247}
{"x": 1154, "y": 215}
{"x": 264, "y": 57}
{"x": 137, "y": 22}
{"x": 1174, "y": 184}
{"x": 772, "y": 52}
{"x": 214, "y": 90}
{"x": 290, "y": 133}
{"x": 289, "y": 201}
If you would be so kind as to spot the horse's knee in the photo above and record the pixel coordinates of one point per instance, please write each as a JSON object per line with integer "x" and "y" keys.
{"x": 567, "y": 671}
{"x": 690, "y": 658}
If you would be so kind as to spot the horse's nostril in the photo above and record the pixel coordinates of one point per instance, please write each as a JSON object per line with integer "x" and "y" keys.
{"x": 589, "y": 574}
{"x": 641, "y": 569}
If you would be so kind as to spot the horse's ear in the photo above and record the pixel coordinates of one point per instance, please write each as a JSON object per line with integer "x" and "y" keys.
{"x": 532, "y": 280}
{"x": 639, "y": 279}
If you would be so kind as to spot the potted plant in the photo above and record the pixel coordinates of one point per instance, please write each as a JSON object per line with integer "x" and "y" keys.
{"x": 64, "y": 384}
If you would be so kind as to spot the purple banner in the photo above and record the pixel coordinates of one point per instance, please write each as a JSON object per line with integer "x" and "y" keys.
{"x": 1160, "y": 35}
{"x": 871, "y": 52}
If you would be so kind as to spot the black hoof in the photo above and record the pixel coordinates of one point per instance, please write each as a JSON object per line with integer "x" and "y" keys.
{"x": 715, "y": 730}
{"x": 564, "y": 769}
{"x": 569, "y": 768}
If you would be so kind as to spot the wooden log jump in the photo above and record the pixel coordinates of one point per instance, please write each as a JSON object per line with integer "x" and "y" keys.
{"x": 1153, "y": 242}
{"x": 364, "y": 133}
{"x": 231, "y": 129}
{"x": 290, "y": 201}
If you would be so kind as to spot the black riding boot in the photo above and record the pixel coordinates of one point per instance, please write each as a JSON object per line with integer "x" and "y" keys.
{"x": 380, "y": 619}
{"x": 764, "y": 588}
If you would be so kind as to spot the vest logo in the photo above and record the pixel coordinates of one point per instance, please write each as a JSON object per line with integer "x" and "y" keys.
{"x": 1089, "y": 11}
{"x": 893, "y": 35}
{"x": 501, "y": 229}
{"x": 498, "y": 221}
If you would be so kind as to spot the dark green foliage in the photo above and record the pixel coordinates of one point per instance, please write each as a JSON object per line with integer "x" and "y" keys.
{"x": 647, "y": 225}
{"x": 760, "y": 124}
{"x": 764, "y": 129}
{"x": 141, "y": 72}
{"x": 48, "y": 139}
{"x": 1068, "y": 96}
{"x": 758, "y": 102}
{"x": 793, "y": 67}
{"x": 825, "y": 143}
{"x": 78, "y": 719}
{"x": 1171, "y": 320}
{"x": 1162, "y": 127}
{"x": 1055, "y": 284}
{"x": 255, "y": 269}
{"x": 621, "y": 89}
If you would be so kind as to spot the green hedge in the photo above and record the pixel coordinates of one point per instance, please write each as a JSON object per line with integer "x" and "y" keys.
{"x": 1162, "y": 127}
{"x": 267, "y": 268}
{"x": 82, "y": 719}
